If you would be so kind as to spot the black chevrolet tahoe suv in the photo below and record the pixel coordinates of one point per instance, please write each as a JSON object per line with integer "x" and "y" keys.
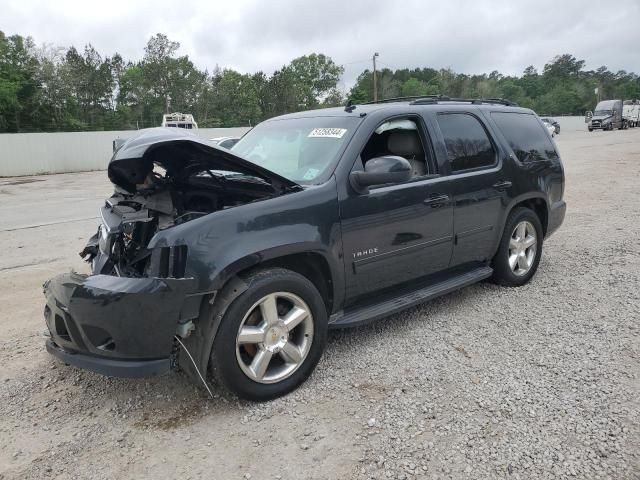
{"x": 232, "y": 264}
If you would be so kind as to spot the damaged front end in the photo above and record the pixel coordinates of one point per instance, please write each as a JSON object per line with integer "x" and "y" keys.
{"x": 121, "y": 319}
{"x": 116, "y": 326}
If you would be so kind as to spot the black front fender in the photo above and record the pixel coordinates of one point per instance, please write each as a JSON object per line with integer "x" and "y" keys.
{"x": 226, "y": 242}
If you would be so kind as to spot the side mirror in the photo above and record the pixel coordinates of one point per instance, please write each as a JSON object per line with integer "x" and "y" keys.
{"x": 379, "y": 171}
{"x": 587, "y": 116}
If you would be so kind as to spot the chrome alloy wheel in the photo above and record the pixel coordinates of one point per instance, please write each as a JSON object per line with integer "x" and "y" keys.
{"x": 274, "y": 337}
{"x": 522, "y": 248}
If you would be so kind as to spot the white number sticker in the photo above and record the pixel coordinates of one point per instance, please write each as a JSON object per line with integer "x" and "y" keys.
{"x": 327, "y": 133}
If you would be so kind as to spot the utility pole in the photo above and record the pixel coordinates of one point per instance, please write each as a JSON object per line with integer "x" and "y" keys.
{"x": 375, "y": 79}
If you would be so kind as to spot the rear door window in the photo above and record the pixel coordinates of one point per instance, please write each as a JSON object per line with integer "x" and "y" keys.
{"x": 526, "y": 136}
{"x": 468, "y": 145}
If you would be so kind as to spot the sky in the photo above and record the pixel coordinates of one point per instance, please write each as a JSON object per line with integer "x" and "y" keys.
{"x": 251, "y": 35}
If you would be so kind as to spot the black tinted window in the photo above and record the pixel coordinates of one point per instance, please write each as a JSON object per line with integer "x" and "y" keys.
{"x": 468, "y": 145}
{"x": 526, "y": 136}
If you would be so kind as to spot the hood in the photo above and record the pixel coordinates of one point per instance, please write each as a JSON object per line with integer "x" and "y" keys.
{"x": 601, "y": 117}
{"x": 175, "y": 150}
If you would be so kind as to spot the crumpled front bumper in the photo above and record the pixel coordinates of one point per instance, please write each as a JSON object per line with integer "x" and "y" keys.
{"x": 116, "y": 326}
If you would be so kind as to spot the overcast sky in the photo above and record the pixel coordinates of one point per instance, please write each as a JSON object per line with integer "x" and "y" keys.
{"x": 250, "y": 35}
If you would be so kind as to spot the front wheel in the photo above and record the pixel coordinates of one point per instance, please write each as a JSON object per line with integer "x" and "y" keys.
{"x": 518, "y": 255}
{"x": 271, "y": 337}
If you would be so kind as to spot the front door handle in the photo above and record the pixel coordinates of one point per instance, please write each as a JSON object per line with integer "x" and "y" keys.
{"x": 436, "y": 200}
{"x": 502, "y": 185}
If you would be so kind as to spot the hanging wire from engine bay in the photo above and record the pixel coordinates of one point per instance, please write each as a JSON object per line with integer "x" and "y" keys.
{"x": 204, "y": 382}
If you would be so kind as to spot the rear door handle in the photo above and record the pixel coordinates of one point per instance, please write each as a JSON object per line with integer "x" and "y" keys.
{"x": 436, "y": 200}
{"x": 502, "y": 185}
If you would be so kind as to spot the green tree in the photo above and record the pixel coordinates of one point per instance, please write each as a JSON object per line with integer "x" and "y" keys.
{"x": 90, "y": 82}
{"x": 161, "y": 83}
{"x": 18, "y": 84}
{"x": 563, "y": 66}
{"x": 52, "y": 88}
{"x": 414, "y": 87}
{"x": 312, "y": 77}
{"x": 334, "y": 98}
{"x": 509, "y": 89}
{"x": 236, "y": 100}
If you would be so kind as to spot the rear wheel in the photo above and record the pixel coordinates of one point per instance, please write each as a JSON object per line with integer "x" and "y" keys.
{"x": 520, "y": 249}
{"x": 271, "y": 336}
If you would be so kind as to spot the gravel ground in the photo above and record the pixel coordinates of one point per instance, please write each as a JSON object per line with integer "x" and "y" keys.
{"x": 488, "y": 382}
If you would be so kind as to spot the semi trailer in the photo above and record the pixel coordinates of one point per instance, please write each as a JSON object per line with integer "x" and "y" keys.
{"x": 631, "y": 112}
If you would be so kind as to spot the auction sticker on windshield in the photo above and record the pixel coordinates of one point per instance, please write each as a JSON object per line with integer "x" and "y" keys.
{"x": 327, "y": 133}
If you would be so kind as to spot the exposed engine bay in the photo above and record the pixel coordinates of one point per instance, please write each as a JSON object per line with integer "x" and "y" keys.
{"x": 172, "y": 182}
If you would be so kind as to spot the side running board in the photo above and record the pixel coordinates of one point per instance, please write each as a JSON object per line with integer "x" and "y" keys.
{"x": 370, "y": 313}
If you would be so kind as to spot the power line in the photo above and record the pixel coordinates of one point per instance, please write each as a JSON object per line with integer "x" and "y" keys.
{"x": 356, "y": 61}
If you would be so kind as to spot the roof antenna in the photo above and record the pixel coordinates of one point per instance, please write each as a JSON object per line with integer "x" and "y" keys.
{"x": 350, "y": 107}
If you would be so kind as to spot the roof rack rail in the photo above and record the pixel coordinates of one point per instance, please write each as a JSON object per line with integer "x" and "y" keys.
{"x": 474, "y": 101}
{"x": 499, "y": 101}
{"x": 401, "y": 99}
{"x": 431, "y": 99}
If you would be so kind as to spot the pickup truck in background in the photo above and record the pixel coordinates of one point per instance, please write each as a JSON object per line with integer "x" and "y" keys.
{"x": 631, "y": 112}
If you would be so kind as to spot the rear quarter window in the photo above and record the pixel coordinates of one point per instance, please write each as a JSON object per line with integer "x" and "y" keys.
{"x": 526, "y": 136}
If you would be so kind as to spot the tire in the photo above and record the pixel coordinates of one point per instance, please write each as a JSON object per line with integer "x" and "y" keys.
{"x": 503, "y": 271}
{"x": 590, "y": 129}
{"x": 236, "y": 363}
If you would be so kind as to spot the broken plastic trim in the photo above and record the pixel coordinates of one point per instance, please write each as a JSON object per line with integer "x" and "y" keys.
{"x": 168, "y": 262}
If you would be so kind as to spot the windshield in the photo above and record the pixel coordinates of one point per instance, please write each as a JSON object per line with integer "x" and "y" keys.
{"x": 602, "y": 113}
{"x": 299, "y": 149}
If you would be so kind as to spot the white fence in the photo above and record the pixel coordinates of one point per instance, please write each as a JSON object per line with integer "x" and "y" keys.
{"x": 66, "y": 152}
{"x": 571, "y": 124}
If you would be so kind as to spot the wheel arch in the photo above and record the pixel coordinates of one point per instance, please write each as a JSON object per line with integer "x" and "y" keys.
{"x": 311, "y": 265}
{"x": 533, "y": 201}
{"x": 539, "y": 206}
{"x": 308, "y": 262}
{"x": 307, "y": 259}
